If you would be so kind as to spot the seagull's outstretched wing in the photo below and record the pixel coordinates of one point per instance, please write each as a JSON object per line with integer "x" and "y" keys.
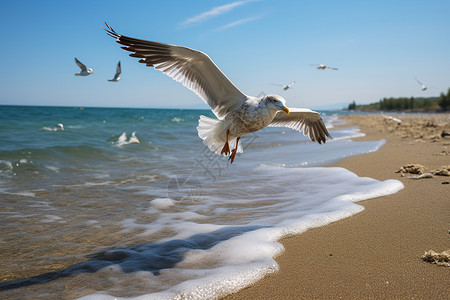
{"x": 303, "y": 119}
{"x": 194, "y": 69}
{"x": 118, "y": 71}
{"x": 81, "y": 65}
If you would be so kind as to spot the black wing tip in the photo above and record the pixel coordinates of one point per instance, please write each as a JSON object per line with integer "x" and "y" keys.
{"x": 110, "y": 31}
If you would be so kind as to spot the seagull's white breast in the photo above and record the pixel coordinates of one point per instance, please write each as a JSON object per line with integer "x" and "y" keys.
{"x": 249, "y": 118}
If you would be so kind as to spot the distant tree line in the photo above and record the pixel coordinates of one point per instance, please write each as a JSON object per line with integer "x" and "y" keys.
{"x": 444, "y": 100}
{"x": 441, "y": 103}
{"x": 352, "y": 106}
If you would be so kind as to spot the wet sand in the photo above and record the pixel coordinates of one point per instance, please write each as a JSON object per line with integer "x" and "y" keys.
{"x": 377, "y": 253}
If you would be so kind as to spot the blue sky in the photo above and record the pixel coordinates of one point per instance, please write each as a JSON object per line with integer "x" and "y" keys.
{"x": 378, "y": 46}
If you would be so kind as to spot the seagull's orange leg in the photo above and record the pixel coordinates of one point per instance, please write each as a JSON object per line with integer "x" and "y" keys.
{"x": 226, "y": 147}
{"x": 233, "y": 153}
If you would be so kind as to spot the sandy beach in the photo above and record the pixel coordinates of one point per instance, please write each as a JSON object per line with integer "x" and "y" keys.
{"x": 377, "y": 253}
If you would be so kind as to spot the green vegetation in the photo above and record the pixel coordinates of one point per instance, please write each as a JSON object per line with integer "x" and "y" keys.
{"x": 352, "y": 106}
{"x": 444, "y": 100}
{"x": 431, "y": 104}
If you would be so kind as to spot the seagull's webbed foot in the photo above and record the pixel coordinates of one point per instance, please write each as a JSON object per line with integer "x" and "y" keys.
{"x": 226, "y": 147}
{"x": 233, "y": 153}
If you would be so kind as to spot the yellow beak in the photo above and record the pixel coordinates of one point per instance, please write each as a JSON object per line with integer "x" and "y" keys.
{"x": 285, "y": 109}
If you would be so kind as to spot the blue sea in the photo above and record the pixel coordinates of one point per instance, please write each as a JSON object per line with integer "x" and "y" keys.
{"x": 109, "y": 203}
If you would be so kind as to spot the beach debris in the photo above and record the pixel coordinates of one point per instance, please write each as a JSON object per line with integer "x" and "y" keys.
{"x": 412, "y": 169}
{"x": 434, "y": 138}
{"x": 441, "y": 259}
{"x": 391, "y": 118}
{"x": 442, "y": 171}
{"x": 420, "y": 171}
{"x": 421, "y": 176}
{"x": 445, "y": 133}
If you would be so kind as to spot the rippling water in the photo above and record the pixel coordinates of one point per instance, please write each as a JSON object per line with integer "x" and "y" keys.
{"x": 89, "y": 212}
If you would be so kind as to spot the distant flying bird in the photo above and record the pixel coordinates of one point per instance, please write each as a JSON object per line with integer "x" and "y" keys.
{"x": 424, "y": 87}
{"x": 84, "y": 71}
{"x": 287, "y": 86}
{"x": 116, "y": 76}
{"x": 237, "y": 114}
{"x": 323, "y": 67}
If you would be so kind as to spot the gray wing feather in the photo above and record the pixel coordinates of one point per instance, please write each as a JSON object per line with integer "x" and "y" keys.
{"x": 118, "y": 70}
{"x": 81, "y": 65}
{"x": 305, "y": 120}
{"x": 194, "y": 69}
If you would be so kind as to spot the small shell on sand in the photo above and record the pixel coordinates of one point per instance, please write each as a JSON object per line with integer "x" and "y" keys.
{"x": 441, "y": 259}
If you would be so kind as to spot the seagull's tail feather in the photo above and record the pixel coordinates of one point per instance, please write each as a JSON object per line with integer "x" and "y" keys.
{"x": 213, "y": 134}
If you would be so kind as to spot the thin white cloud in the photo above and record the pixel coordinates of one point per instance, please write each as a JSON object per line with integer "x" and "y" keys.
{"x": 214, "y": 12}
{"x": 238, "y": 22}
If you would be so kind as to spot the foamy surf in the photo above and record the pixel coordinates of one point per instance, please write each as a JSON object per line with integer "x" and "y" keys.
{"x": 216, "y": 260}
{"x": 124, "y": 140}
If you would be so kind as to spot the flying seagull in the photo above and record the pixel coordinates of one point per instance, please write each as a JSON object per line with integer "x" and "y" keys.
{"x": 84, "y": 71}
{"x": 323, "y": 67}
{"x": 116, "y": 76}
{"x": 423, "y": 86}
{"x": 285, "y": 86}
{"x": 237, "y": 113}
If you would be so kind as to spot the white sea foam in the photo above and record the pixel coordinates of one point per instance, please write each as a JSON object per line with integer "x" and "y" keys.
{"x": 50, "y": 128}
{"x": 7, "y": 164}
{"x": 177, "y": 120}
{"x": 162, "y": 203}
{"x": 57, "y": 127}
{"x": 18, "y": 193}
{"x": 54, "y": 169}
{"x": 271, "y": 203}
{"x": 52, "y": 219}
{"x": 124, "y": 140}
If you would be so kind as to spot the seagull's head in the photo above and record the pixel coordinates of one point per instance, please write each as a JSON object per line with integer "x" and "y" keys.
{"x": 275, "y": 102}
{"x": 90, "y": 71}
